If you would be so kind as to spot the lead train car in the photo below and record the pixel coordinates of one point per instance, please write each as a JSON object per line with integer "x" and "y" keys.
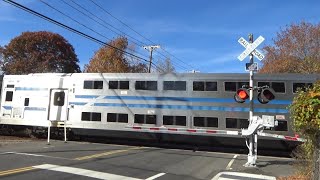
{"x": 109, "y": 104}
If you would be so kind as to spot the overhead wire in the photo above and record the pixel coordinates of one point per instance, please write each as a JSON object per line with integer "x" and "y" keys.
{"x": 70, "y": 28}
{"x": 47, "y": 4}
{"x": 107, "y": 12}
{"x": 95, "y": 21}
{"x": 136, "y": 41}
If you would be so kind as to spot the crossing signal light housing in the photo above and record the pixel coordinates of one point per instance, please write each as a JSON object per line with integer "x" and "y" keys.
{"x": 241, "y": 95}
{"x": 266, "y": 95}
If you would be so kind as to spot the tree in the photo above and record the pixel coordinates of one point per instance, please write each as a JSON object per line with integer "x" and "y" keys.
{"x": 305, "y": 113}
{"x": 39, "y": 52}
{"x": 112, "y": 60}
{"x": 165, "y": 66}
{"x": 296, "y": 50}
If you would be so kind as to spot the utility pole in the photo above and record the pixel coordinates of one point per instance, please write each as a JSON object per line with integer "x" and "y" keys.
{"x": 150, "y": 49}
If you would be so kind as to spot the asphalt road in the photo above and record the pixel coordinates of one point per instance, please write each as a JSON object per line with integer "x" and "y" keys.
{"x": 27, "y": 159}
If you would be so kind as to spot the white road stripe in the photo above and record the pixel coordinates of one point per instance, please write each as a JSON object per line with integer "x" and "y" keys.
{"x": 37, "y": 155}
{"x": 237, "y": 175}
{"x": 155, "y": 176}
{"x": 83, "y": 172}
{"x": 231, "y": 162}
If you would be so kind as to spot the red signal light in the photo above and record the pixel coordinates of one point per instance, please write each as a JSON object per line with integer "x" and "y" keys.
{"x": 241, "y": 95}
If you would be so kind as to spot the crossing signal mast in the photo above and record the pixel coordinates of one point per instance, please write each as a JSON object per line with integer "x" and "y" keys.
{"x": 265, "y": 95}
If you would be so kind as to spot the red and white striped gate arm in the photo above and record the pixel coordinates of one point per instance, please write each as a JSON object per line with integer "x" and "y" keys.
{"x": 182, "y": 130}
{"x": 164, "y": 129}
{"x": 278, "y": 136}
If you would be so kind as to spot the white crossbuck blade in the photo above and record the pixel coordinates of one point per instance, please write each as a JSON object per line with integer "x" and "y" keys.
{"x": 251, "y": 48}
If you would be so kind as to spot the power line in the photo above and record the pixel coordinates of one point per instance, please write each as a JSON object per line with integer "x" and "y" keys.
{"x": 47, "y": 4}
{"x": 87, "y": 11}
{"x": 70, "y": 28}
{"x": 139, "y": 34}
{"x": 136, "y": 41}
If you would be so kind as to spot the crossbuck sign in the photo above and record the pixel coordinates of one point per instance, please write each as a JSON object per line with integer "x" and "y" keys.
{"x": 251, "y": 48}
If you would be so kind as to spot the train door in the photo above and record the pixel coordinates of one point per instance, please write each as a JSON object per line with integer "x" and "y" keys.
{"x": 58, "y": 109}
{"x": 7, "y": 101}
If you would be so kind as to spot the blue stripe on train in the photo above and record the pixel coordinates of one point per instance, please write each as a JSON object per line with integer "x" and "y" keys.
{"x": 30, "y": 89}
{"x": 27, "y": 108}
{"x": 187, "y": 107}
{"x": 184, "y": 99}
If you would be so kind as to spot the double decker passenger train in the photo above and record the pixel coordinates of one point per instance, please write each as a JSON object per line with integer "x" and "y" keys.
{"x": 197, "y": 108}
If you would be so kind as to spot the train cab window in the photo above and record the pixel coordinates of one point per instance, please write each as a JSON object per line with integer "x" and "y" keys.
{"x": 278, "y": 87}
{"x": 58, "y": 99}
{"x": 233, "y": 86}
{"x": 118, "y": 84}
{"x": 204, "y": 86}
{"x": 302, "y": 86}
{"x": 93, "y": 85}
{"x": 205, "y": 121}
{"x": 9, "y": 96}
{"x": 175, "y": 120}
{"x": 26, "y": 101}
{"x": 146, "y": 85}
{"x": 282, "y": 126}
{"x": 117, "y": 117}
{"x": 145, "y": 119}
{"x": 174, "y": 85}
{"x": 237, "y": 123}
{"x": 90, "y": 116}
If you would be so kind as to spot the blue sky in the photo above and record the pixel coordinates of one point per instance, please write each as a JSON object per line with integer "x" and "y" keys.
{"x": 203, "y": 33}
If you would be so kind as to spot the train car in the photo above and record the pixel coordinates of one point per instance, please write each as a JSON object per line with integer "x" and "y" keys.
{"x": 180, "y": 108}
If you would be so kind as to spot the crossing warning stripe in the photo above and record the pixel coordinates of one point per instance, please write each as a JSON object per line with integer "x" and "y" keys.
{"x": 164, "y": 129}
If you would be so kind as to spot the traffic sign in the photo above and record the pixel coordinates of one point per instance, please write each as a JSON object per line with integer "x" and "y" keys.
{"x": 251, "y": 66}
{"x": 250, "y": 47}
{"x": 255, "y": 52}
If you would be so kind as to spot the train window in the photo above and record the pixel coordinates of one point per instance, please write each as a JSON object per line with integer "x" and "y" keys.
{"x": 113, "y": 84}
{"x": 123, "y": 118}
{"x": 145, "y": 119}
{"x": 118, "y": 84}
{"x": 93, "y": 85}
{"x": 139, "y": 118}
{"x": 146, "y": 85}
{"x": 58, "y": 99}
{"x": 302, "y": 86}
{"x": 174, "y": 120}
{"x": 10, "y": 86}
{"x": 174, "y": 85}
{"x": 278, "y": 87}
{"x": 231, "y": 123}
{"x": 115, "y": 117}
{"x": 124, "y": 84}
{"x": 198, "y": 86}
{"x": 151, "y": 119}
{"x": 111, "y": 117}
{"x": 233, "y": 86}
{"x": 211, "y": 86}
{"x": 9, "y": 96}
{"x": 90, "y": 116}
{"x": 237, "y": 123}
{"x": 205, "y": 121}
{"x": 204, "y": 86}
{"x": 181, "y": 120}
{"x": 199, "y": 121}
{"x": 168, "y": 120}
{"x": 26, "y": 101}
{"x": 282, "y": 126}
{"x": 244, "y": 123}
